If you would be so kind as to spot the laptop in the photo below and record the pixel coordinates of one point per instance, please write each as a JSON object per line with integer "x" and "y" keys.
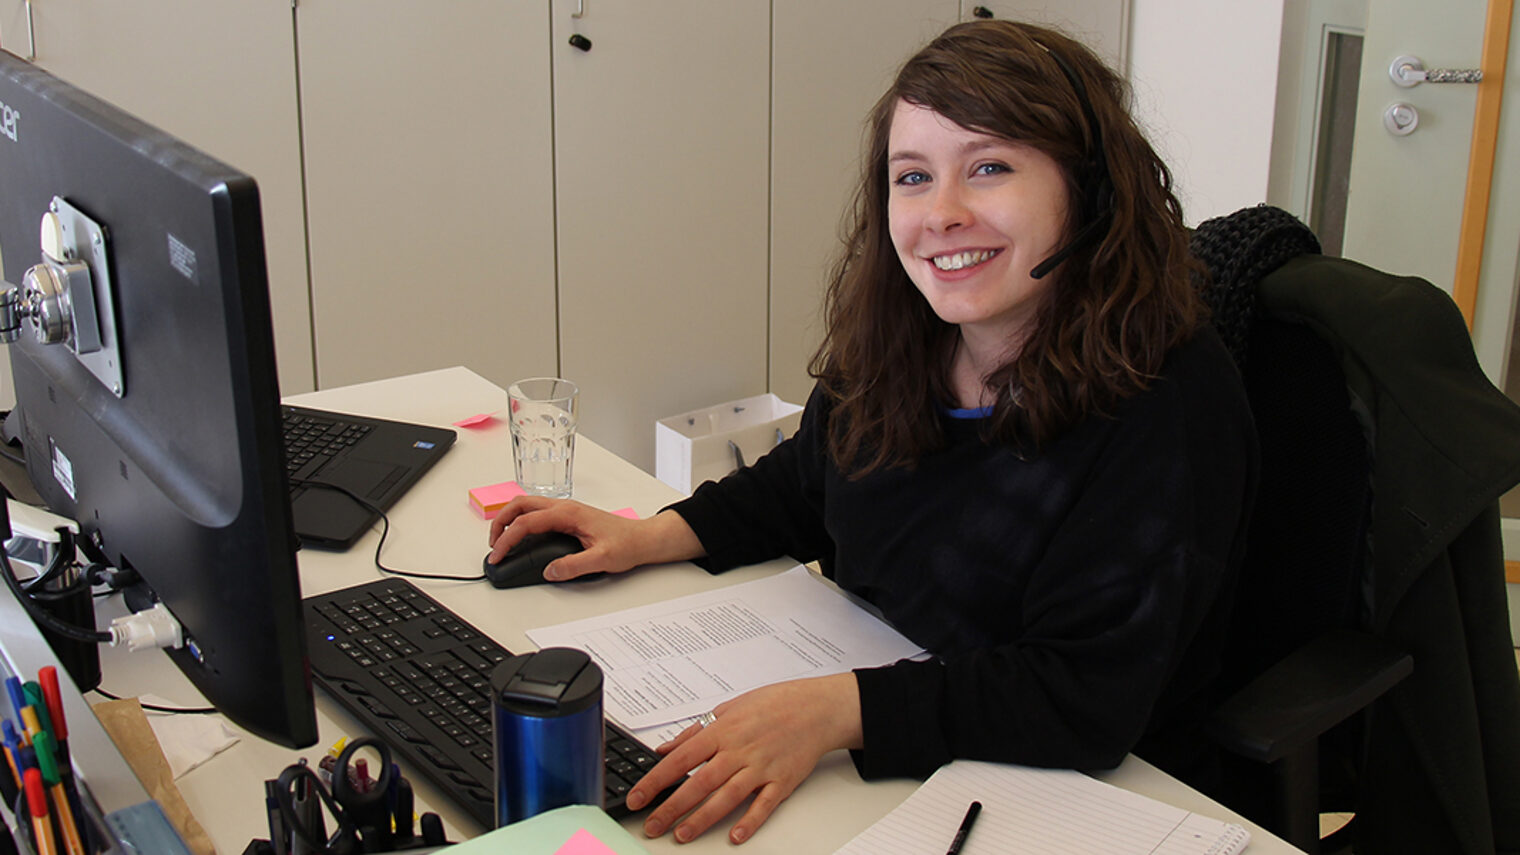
{"x": 375, "y": 459}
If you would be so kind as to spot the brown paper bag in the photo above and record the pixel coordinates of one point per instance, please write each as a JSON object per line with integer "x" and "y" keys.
{"x": 124, "y": 721}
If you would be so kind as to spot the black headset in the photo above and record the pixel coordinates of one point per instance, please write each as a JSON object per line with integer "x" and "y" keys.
{"x": 1097, "y": 185}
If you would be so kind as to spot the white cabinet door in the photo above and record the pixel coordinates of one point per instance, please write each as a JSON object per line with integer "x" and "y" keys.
{"x": 661, "y": 137}
{"x": 429, "y": 175}
{"x": 220, "y": 76}
{"x": 832, "y": 61}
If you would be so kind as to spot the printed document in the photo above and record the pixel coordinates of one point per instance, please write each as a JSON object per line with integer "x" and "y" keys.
{"x": 673, "y": 660}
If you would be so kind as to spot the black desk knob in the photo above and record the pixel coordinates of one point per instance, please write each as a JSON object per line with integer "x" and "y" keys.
{"x": 580, "y": 42}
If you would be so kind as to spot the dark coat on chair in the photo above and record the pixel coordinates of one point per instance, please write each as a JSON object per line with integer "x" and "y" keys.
{"x": 1442, "y": 769}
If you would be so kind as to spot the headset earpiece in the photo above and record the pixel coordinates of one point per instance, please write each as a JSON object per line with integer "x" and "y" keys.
{"x": 1097, "y": 204}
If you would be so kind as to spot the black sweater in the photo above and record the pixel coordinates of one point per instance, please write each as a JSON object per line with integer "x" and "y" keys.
{"x": 1072, "y": 599}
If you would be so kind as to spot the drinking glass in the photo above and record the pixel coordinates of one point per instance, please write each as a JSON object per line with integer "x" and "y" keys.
{"x": 543, "y": 420}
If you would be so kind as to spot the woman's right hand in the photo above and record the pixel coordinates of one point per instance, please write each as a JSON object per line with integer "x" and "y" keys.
{"x": 612, "y": 544}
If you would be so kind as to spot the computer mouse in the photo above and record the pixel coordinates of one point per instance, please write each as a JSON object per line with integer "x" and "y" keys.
{"x": 524, "y": 563}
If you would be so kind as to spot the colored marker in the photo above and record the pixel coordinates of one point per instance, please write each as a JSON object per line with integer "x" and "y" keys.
{"x": 32, "y": 691}
{"x": 18, "y": 700}
{"x": 48, "y": 677}
{"x": 12, "y": 748}
{"x": 30, "y": 723}
{"x": 66, "y": 824}
{"x": 42, "y": 825}
{"x": 362, "y": 782}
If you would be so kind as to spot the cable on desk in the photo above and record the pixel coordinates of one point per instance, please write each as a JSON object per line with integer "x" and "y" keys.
{"x": 156, "y": 708}
{"x": 385, "y": 531}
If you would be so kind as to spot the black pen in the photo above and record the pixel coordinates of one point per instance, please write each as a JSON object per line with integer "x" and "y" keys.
{"x": 965, "y": 829}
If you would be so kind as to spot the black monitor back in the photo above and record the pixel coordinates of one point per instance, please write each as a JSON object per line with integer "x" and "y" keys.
{"x": 178, "y": 472}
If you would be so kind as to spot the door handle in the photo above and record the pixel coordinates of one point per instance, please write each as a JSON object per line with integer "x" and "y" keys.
{"x": 1407, "y": 71}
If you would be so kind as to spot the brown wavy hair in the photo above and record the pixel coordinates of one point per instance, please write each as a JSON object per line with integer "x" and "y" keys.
{"x": 1115, "y": 308}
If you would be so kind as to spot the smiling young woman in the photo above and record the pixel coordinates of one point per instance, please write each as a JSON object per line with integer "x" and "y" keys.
{"x": 1025, "y": 448}
{"x": 1126, "y": 294}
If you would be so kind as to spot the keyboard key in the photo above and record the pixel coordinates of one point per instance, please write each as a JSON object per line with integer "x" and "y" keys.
{"x": 406, "y": 732}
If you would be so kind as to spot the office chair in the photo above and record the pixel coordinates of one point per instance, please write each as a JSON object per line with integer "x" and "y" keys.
{"x": 1330, "y": 622}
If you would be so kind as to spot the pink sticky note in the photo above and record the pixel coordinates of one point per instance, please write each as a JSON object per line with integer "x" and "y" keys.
{"x": 476, "y": 421}
{"x": 626, "y": 512}
{"x": 584, "y": 842}
{"x": 488, "y": 500}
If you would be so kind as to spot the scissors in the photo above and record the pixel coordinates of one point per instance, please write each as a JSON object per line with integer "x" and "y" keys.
{"x": 359, "y": 806}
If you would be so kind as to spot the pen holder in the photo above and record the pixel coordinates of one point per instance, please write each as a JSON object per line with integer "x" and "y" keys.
{"x": 547, "y": 720}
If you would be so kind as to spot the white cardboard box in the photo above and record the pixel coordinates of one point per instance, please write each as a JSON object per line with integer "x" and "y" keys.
{"x": 699, "y": 446}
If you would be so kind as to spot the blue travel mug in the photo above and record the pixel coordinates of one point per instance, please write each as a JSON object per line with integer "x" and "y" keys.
{"x": 548, "y": 726}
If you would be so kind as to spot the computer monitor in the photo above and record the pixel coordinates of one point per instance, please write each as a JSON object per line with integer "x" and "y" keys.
{"x": 151, "y": 415}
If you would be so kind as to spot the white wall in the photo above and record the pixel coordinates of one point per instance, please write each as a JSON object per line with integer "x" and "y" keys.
{"x": 1205, "y": 83}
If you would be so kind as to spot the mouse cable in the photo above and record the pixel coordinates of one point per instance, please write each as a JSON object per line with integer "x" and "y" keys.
{"x": 385, "y": 531}
{"x": 154, "y": 708}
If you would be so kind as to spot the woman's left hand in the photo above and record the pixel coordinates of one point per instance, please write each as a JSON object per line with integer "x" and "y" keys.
{"x": 764, "y": 742}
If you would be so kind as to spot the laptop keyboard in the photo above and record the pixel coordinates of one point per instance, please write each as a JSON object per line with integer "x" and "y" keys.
{"x": 419, "y": 678}
{"x": 311, "y": 442}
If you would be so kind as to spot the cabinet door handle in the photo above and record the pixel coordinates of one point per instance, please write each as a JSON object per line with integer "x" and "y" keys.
{"x": 31, "y": 35}
{"x": 580, "y": 9}
{"x": 580, "y": 42}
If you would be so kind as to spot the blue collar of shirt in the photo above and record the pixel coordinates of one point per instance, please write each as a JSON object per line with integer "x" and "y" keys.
{"x": 970, "y": 413}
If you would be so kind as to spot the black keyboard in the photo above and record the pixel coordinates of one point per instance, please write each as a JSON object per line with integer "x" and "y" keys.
{"x": 312, "y": 440}
{"x": 419, "y": 678}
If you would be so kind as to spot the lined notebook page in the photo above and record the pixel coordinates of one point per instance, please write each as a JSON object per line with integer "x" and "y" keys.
{"x": 1053, "y": 811}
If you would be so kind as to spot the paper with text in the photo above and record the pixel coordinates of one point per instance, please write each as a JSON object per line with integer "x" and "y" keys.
{"x": 681, "y": 658}
{"x": 1054, "y": 811}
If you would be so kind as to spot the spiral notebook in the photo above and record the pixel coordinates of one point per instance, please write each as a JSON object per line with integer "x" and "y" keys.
{"x": 1052, "y": 811}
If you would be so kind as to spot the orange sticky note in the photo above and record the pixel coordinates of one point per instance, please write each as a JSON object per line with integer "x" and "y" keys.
{"x": 476, "y": 421}
{"x": 584, "y": 842}
{"x": 488, "y": 500}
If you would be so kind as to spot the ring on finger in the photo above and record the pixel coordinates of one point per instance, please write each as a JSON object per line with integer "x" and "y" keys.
{"x": 706, "y": 719}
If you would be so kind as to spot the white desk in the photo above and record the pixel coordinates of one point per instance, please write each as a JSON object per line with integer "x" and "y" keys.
{"x": 434, "y": 529}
